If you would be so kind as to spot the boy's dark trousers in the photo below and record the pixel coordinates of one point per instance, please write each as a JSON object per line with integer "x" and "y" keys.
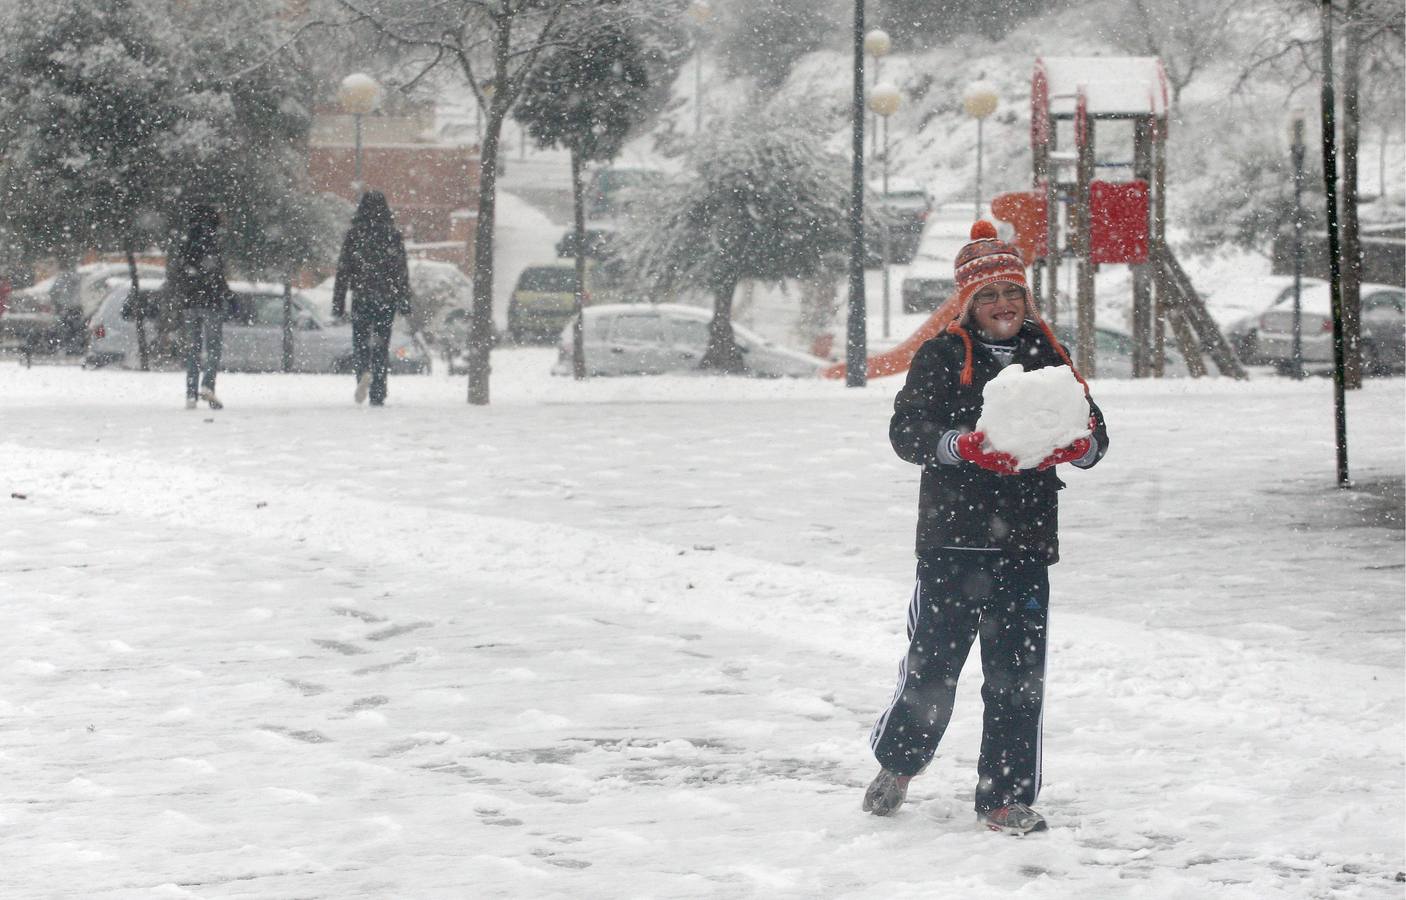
{"x": 959, "y": 597}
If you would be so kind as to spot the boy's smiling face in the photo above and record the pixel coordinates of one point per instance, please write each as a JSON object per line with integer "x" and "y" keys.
{"x": 998, "y": 309}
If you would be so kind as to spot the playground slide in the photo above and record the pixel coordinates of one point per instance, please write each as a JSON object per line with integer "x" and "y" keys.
{"x": 898, "y": 359}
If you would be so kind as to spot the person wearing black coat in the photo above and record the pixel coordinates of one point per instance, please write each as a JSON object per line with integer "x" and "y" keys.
{"x": 196, "y": 277}
{"x": 372, "y": 267}
{"x": 987, "y": 534}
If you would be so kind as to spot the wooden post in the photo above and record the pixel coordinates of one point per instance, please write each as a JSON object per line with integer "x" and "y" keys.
{"x": 1040, "y": 157}
{"x": 1157, "y": 244}
{"x": 1052, "y": 213}
{"x": 1083, "y": 227}
{"x": 1142, "y": 277}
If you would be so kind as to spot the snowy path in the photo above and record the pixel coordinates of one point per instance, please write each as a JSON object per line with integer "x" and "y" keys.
{"x": 630, "y": 645}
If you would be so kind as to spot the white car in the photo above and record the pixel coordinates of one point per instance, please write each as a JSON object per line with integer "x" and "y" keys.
{"x": 651, "y": 339}
{"x": 253, "y": 335}
{"x": 1270, "y": 337}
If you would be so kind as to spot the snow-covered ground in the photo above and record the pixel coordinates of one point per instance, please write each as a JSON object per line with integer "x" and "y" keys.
{"x": 626, "y": 639}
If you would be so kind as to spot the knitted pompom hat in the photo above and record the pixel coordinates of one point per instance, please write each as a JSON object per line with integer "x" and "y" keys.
{"x": 987, "y": 260}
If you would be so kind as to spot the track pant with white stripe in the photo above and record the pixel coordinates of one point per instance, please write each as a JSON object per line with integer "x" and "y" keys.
{"x": 959, "y": 597}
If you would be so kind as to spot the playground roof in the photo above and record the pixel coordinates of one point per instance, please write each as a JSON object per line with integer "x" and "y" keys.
{"x": 1113, "y": 86}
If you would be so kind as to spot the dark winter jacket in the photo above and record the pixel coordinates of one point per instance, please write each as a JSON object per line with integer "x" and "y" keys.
{"x": 373, "y": 268}
{"x": 963, "y": 506}
{"x": 197, "y": 274}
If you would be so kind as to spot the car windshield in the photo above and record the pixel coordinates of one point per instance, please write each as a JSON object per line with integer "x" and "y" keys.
{"x": 554, "y": 280}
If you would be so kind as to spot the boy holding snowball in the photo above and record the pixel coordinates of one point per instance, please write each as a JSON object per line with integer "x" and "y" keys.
{"x": 987, "y": 531}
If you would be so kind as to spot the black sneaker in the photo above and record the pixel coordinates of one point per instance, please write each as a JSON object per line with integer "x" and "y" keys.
{"x": 1016, "y": 818}
{"x": 886, "y": 793}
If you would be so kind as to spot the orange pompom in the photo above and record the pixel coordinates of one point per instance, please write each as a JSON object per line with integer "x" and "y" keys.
{"x": 982, "y": 229}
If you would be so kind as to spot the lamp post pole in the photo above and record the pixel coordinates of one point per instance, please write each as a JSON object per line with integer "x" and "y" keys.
{"x": 856, "y": 373}
{"x": 1296, "y": 149}
{"x": 359, "y": 94}
{"x": 877, "y": 44}
{"x": 1330, "y": 190}
{"x": 884, "y": 101}
{"x": 980, "y": 101}
{"x": 700, "y": 11}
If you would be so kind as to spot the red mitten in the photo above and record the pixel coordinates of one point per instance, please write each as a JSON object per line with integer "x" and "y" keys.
{"x": 969, "y": 447}
{"x": 1074, "y": 451}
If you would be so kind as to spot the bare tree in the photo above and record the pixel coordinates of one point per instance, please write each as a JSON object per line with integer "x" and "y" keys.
{"x": 1188, "y": 35}
{"x": 494, "y": 45}
{"x": 1370, "y": 50}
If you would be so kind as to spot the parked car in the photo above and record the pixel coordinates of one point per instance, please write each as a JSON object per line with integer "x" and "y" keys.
{"x": 906, "y": 206}
{"x": 437, "y": 289}
{"x": 543, "y": 299}
{"x": 52, "y": 316}
{"x": 651, "y": 339}
{"x": 925, "y": 293}
{"x": 1113, "y": 353}
{"x": 1238, "y": 304}
{"x": 598, "y": 240}
{"x": 1269, "y": 339}
{"x": 33, "y": 322}
{"x": 253, "y": 334}
{"x": 86, "y": 286}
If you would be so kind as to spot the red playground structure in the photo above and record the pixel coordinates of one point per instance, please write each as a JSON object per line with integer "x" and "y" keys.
{"x": 1097, "y": 220}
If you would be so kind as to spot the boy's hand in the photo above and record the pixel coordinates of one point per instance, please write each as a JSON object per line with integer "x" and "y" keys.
{"x": 1074, "y": 451}
{"x": 969, "y": 447}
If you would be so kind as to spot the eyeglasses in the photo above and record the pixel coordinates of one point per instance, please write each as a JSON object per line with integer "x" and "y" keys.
{"x": 1011, "y": 293}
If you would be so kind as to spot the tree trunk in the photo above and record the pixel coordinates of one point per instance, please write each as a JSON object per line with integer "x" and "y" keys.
{"x": 481, "y": 313}
{"x": 578, "y": 324}
{"x": 143, "y": 352}
{"x": 1351, "y": 243}
{"x": 723, "y": 355}
{"x": 287, "y": 324}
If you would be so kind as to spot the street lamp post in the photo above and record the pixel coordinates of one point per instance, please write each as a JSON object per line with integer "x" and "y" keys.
{"x": 884, "y": 101}
{"x": 359, "y": 95}
{"x": 979, "y": 102}
{"x": 856, "y": 362}
{"x": 700, "y": 11}
{"x": 1296, "y": 150}
{"x": 877, "y": 45}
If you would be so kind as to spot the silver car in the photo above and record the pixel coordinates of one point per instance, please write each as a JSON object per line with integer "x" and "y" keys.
{"x": 651, "y": 339}
{"x": 253, "y": 335}
{"x": 1270, "y": 338}
{"x": 1113, "y": 352}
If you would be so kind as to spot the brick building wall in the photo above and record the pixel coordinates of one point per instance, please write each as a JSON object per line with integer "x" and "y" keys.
{"x": 425, "y": 184}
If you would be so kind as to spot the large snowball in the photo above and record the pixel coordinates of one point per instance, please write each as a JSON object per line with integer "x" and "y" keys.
{"x": 1030, "y": 414}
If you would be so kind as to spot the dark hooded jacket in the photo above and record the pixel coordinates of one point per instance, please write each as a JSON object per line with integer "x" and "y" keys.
{"x": 372, "y": 265}
{"x": 197, "y": 272}
{"x": 963, "y": 506}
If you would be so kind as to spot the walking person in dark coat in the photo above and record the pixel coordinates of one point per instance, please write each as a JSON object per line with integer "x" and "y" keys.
{"x": 373, "y": 268}
{"x": 196, "y": 277}
{"x": 987, "y": 534}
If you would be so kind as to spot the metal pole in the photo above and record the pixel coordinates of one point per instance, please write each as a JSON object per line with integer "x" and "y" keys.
{"x": 884, "y": 235}
{"x": 1298, "y": 154}
{"x": 356, "y": 179}
{"x": 874, "y": 117}
{"x": 856, "y": 372}
{"x": 578, "y": 300}
{"x": 979, "y": 123}
{"x": 1330, "y": 184}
